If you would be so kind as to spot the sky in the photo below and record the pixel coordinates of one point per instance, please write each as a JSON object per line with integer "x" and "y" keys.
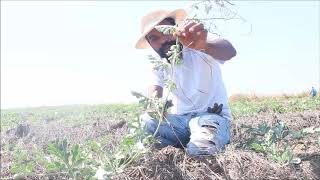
{"x": 78, "y": 52}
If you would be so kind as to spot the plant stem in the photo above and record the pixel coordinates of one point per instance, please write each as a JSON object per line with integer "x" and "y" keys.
{"x": 161, "y": 114}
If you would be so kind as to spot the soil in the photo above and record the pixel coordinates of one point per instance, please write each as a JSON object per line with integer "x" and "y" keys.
{"x": 173, "y": 163}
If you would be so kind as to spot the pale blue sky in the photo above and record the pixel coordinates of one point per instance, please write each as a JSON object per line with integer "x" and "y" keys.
{"x": 66, "y": 52}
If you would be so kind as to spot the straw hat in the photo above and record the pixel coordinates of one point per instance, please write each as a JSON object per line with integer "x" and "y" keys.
{"x": 149, "y": 21}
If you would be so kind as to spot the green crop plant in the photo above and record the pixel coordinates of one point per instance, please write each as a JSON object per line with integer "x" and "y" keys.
{"x": 71, "y": 160}
{"x": 276, "y": 142}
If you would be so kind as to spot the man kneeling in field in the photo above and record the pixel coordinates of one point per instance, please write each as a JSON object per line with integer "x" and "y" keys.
{"x": 197, "y": 121}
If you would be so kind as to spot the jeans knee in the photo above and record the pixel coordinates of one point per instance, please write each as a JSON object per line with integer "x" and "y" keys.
{"x": 150, "y": 126}
{"x": 202, "y": 147}
{"x": 209, "y": 135}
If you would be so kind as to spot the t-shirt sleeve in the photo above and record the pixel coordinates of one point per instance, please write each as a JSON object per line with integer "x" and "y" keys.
{"x": 220, "y": 61}
{"x": 211, "y": 37}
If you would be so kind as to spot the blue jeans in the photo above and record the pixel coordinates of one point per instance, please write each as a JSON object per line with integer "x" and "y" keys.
{"x": 201, "y": 133}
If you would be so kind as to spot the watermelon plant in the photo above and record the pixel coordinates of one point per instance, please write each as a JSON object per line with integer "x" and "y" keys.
{"x": 276, "y": 142}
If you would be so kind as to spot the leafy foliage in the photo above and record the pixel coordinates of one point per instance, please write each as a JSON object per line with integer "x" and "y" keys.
{"x": 158, "y": 64}
{"x": 23, "y": 164}
{"x": 71, "y": 159}
{"x": 27, "y": 161}
{"x": 155, "y": 107}
{"x": 175, "y": 50}
{"x": 175, "y": 54}
{"x": 166, "y": 29}
{"x": 277, "y": 142}
{"x": 135, "y": 144}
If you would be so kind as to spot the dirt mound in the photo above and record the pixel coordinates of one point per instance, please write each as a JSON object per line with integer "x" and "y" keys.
{"x": 172, "y": 163}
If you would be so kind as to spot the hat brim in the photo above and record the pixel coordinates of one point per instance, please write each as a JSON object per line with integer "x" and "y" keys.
{"x": 179, "y": 15}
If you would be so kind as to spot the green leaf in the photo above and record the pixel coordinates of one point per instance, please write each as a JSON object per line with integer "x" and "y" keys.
{"x": 16, "y": 169}
{"x": 175, "y": 54}
{"x": 286, "y": 156}
{"x": 272, "y": 149}
{"x": 29, "y": 167}
{"x": 158, "y": 64}
{"x": 53, "y": 150}
{"x": 63, "y": 146}
{"x": 79, "y": 161}
{"x": 59, "y": 149}
{"x": 170, "y": 85}
{"x": 86, "y": 173}
{"x": 142, "y": 101}
{"x": 269, "y": 137}
{"x": 278, "y": 130}
{"x": 95, "y": 146}
{"x": 136, "y": 94}
{"x": 258, "y": 147}
{"x": 55, "y": 166}
{"x": 263, "y": 128}
{"x": 128, "y": 141}
{"x": 75, "y": 153}
{"x": 297, "y": 135}
{"x": 166, "y": 29}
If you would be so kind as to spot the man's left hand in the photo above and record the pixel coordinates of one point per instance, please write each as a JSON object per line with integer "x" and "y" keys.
{"x": 216, "y": 109}
{"x": 193, "y": 35}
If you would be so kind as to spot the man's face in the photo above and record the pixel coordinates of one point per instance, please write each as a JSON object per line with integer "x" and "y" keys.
{"x": 159, "y": 42}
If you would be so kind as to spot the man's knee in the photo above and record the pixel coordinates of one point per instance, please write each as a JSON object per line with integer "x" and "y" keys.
{"x": 148, "y": 122}
{"x": 209, "y": 135}
{"x": 205, "y": 147}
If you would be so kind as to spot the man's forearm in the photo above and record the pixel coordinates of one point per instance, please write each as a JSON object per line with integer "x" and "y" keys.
{"x": 220, "y": 49}
{"x": 155, "y": 91}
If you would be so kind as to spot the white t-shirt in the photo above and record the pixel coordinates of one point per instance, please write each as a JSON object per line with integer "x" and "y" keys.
{"x": 198, "y": 81}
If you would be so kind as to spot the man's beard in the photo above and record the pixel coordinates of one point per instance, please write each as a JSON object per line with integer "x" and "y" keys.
{"x": 165, "y": 47}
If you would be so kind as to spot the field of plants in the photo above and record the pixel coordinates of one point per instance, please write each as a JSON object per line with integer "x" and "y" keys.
{"x": 272, "y": 138}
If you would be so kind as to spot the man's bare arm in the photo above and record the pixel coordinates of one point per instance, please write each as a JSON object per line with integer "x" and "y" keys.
{"x": 155, "y": 91}
{"x": 194, "y": 35}
{"x": 220, "y": 49}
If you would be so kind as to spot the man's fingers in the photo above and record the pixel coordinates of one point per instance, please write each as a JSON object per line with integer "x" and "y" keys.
{"x": 203, "y": 32}
{"x": 215, "y": 106}
{"x": 184, "y": 30}
{"x": 188, "y": 25}
{"x": 168, "y": 104}
{"x": 191, "y": 27}
{"x": 196, "y": 27}
{"x": 219, "y": 109}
